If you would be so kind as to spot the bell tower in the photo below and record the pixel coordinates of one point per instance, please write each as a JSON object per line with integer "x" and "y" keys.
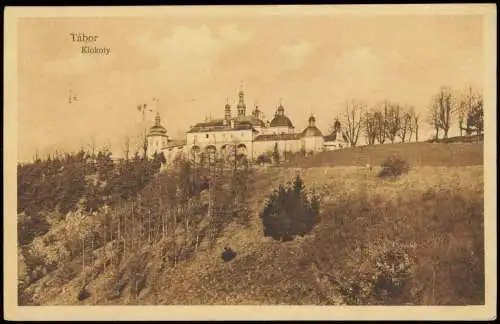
{"x": 242, "y": 107}
{"x": 227, "y": 110}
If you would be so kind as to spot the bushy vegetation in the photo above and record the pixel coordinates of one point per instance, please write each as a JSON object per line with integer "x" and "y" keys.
{"x": 290, "y": 212}
{"x": 81, "y": 180}
{"x": 264, "y": 159}
{"x": 372, "y": 254}
{"x": 393, "y": 167}
{"x": 120, "y": 209}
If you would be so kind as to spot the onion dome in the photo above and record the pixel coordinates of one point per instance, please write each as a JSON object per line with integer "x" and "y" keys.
{"x": 280, "y": 120}
{"x": 312, "y": 130}
{"x": 157, "y": 129}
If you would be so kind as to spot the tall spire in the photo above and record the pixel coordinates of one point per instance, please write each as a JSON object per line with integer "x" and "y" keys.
{"x": 312, "y": 121}
{"x": 227, "y": 110}
{"x": 241, "y": 103}
{"x": 281, "y": 110}
{"x": 157, "y": 119}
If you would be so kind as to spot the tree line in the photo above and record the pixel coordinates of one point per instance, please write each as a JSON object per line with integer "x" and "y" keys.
{"x": 80, "y": 180}
{"x": 391, "y": 121}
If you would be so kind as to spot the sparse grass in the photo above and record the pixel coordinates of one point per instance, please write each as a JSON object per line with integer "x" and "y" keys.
{"x": 417, "y": 154}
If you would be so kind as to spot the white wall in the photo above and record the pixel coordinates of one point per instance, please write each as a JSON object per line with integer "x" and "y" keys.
{"x": 156, "y": 144}
{"x": 262, "y": 147}
{"x": 335, "y": 145}
{"x": 219, "y": 138}
{"x": 314, "y": 144}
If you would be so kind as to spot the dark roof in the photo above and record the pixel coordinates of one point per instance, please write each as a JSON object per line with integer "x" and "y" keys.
{"x": 330, "y": 138}
{"x": 157, "y": 130}
{"x": 218, "y": 126}
{"x": 311, "y": 131}
{"x": 333, "y": 137}
{"x": 252, "y": 120}
{"x": 175, "y": 143}
{"x": 278, "y": 137}
{"x": 281, "y": 121}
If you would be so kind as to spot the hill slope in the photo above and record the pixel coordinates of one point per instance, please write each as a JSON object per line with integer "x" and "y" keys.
{"x": 428, "y": 224}
{"x": 421, "y": 154}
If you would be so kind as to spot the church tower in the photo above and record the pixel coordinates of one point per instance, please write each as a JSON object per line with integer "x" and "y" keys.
{"x": 312, "y": 121}
{"x": 227, "y": 110}
{"x": 242, "y": 107}
{"x": 157, "y": 137}
{"x": 256, "y": 112}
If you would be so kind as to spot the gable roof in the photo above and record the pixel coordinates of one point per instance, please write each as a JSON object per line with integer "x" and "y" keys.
{"x": 219, "y": 125}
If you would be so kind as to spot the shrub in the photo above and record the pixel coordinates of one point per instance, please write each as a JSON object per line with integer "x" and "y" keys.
{"x": 393, "y": 167}
{"x": 289, "y": 212}
{"x": 263, "y": 158}
{"x": 276, "y": 154}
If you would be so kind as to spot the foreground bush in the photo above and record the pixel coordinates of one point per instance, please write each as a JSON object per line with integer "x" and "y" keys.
{"x": 263, "y": 159}
{"x": 289, "y": 212}
{"x": 393, "y": 167}
{"x": 412, "y": 253}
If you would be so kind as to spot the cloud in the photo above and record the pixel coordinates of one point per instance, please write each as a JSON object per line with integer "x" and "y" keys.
{"x": 232, "y": 34}
{"x": 188, "y": 55}
{"x": 296, "y": 54}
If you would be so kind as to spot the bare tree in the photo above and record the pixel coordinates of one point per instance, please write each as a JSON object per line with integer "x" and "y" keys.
{"x": 370, "y": 127}
{"x": 443, "y": 108}
{"x": 416, "y": 122}
{"x": 433, "y": 119}
{"x": 406, "y": 130}
{"x": 475, "y": 118}
{"x": 126, "y": 149}
{"x": 470, "y": 112}
{"x": 353, "y": 115}
{"x": 393, "y": 119}
{"x": 380, "y": 117}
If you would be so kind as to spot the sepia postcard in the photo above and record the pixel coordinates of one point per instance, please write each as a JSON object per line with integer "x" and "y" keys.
{"x": 250, "y": 162}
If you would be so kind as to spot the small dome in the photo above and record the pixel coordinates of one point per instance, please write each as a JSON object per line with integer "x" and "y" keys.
{"x": 312, "y": 131}
{"x": 281, "y": 121}
{"x": 157, "y": 129}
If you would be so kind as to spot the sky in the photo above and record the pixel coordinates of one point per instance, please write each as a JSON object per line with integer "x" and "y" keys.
{"x": 193, "y": 64}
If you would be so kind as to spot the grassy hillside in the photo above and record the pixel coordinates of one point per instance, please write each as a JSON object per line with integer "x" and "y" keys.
{"x": 407, "y": 241}
{"x": 417, "y": 154}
